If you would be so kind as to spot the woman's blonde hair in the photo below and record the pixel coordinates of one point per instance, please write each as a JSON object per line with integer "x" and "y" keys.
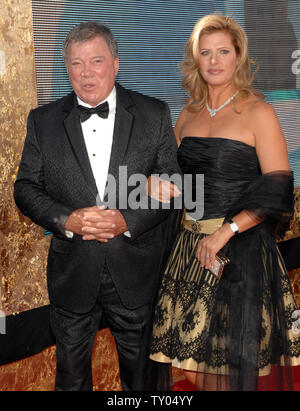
{"x": 193, "y": 81}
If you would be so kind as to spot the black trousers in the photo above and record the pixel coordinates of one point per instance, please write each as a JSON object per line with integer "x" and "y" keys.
{"x": 75, "y": 334}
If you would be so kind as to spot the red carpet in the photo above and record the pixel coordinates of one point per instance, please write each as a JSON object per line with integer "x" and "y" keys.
{"x": 265, "y": 383}
{"x": 297, "y": 378}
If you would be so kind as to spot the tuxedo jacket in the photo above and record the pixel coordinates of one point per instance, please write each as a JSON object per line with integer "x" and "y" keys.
{"x": 55, "y": 178}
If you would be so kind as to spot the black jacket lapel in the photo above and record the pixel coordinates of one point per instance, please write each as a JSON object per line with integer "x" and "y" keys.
{"x": 124, "y": 120}
{"x": 76, "y": 139}
{"x": 122, "y": 130}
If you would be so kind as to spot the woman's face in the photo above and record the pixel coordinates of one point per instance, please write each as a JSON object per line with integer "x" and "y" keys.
{"x": 218, "y": 58}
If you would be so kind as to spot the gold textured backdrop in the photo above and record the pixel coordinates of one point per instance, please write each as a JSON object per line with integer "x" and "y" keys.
{"x": 23, "y": 246}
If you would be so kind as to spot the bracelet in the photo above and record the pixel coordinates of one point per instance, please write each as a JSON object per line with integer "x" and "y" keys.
{"x": 234, "y": 227}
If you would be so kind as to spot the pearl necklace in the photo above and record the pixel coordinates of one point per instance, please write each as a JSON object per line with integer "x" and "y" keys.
{"x": 213, "y": 111}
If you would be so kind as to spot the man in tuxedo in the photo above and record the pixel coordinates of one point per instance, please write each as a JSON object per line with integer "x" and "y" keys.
{"x": 103, "y": 263}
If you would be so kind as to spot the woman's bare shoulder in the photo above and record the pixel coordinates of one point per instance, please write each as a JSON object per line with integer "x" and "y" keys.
{"x": 185, "y": 115}
{"x": 257, "y": 108}
{"x": 183, "y": 118}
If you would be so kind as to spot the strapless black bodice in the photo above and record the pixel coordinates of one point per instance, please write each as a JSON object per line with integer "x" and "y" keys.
{"x": 228, "y": 166}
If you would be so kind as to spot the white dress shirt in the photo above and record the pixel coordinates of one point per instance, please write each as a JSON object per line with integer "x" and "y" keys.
{"x": 98, "y": 137}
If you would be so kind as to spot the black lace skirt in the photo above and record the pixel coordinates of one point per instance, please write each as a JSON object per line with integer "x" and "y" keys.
{"x": 239, "y": 333}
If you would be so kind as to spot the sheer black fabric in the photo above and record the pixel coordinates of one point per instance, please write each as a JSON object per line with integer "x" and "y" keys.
{"x": 239, "y": 333}
{"x": 151, "y": 375}
{"x": 270, "y": 196}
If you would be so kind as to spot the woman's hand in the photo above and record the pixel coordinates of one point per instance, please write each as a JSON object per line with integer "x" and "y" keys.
{"x": 211, "y": 244}
{"x": 161, "y": 190}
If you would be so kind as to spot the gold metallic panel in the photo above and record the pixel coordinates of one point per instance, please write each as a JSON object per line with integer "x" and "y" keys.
{"x": 37, "y": 373}
{"x": 23, "y": 248}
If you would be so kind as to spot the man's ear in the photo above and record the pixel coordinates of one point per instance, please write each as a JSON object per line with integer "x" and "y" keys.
{"x": 116, "y": 65}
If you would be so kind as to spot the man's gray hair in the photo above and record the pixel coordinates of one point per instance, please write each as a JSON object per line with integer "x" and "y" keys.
{"x": 87, "y": 31}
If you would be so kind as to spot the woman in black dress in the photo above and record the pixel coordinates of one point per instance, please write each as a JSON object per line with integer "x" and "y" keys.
{"x": 238, "y": 332}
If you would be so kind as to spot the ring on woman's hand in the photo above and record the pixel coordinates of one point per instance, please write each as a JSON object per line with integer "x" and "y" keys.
{"x": 207, "y": 255}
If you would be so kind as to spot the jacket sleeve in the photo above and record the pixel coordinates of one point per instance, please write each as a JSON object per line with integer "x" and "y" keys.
{"x": 30, "y": 191}
{"x": 141, "y": 220}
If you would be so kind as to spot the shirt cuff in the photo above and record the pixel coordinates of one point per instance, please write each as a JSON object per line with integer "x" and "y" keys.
{"x": 69, "y": 234}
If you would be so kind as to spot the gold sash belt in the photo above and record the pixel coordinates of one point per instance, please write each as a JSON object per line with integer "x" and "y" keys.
{"x": 203, "y": 226}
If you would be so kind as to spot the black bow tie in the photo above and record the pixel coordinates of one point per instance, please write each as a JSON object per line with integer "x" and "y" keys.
{"x": 85, "y": 113}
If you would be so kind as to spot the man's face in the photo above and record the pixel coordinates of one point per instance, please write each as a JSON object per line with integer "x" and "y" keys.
{"x": 91, "y": 69}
